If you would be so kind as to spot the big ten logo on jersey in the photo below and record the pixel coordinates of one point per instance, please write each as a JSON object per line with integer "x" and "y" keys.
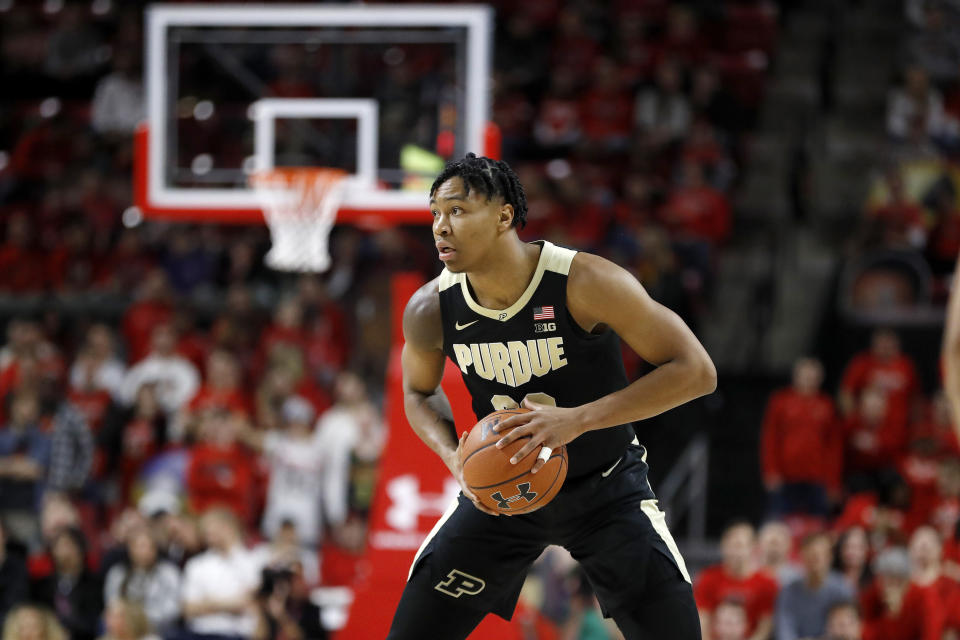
{"x": 513, "y": 363}
{"x": 544, "y": 327}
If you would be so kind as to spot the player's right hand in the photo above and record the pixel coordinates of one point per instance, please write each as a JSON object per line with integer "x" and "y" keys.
{"x": 457, "y": 470}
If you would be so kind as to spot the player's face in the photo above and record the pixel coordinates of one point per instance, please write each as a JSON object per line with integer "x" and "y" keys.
{"x": 466, "y": 225}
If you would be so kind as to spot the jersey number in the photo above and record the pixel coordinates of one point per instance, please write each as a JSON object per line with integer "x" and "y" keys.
{"x": 502, "y": 402}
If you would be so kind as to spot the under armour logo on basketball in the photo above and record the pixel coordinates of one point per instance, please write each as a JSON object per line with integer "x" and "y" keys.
{"x": 525, "y": 493}
{"x": 459, "y": 583}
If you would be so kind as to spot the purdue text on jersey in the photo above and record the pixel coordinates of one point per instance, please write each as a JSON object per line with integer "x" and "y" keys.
{"x": 513, "y": 363}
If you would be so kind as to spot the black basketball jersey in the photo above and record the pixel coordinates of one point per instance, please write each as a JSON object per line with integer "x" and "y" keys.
{"x": 535, "y": 349}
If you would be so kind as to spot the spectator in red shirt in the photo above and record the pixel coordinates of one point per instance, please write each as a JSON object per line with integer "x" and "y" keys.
{"x": 801, "y": 445}
{"x": 875, "y": 441}
{"x": 20, "y": 263}
{"x": 926, "y": 571}
{"x": 737, "y": 578}
{"x": 153, "y": 307}
{"x": 895, "y": 609}
{"x": 221, "y": 472}
{"x": 606, "y": 110}
{"x": 937, "y": 427}
{"x": 885, "y": 367}
{"x": 898, "y": 222}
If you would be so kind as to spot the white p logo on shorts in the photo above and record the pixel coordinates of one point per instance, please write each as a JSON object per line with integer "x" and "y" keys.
{"x": 459, "y": 583}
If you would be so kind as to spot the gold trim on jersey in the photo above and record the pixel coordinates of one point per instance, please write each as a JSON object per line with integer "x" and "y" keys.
{"x": 552, "y": 258}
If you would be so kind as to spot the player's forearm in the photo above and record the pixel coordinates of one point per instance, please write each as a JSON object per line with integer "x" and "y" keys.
{"x": 951, "y": 351}
{"x": 431, "y": 417}
{"x": 664, "y": 388}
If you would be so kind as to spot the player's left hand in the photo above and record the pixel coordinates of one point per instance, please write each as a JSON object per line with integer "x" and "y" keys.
{"x": 546, "y": 425}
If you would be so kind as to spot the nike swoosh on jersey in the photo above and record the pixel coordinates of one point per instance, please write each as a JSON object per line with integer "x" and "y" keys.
{"x": 610, "y": 470}
{"x": 464, "y": 326}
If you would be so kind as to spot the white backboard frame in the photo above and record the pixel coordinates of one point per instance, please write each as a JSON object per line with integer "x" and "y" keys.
{"x": 476, "y": 19}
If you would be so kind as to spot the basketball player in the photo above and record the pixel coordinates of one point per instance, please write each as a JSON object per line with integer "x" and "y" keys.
{"x": 538, "y": 325}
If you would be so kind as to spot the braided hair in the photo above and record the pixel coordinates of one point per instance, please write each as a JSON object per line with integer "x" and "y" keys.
{"x": 489, "y": 177}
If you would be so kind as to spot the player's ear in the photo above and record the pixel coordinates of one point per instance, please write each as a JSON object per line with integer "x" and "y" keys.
{"x": 505, "y": 218}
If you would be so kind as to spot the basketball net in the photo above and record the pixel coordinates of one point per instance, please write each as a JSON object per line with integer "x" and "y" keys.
{"x": 300, "y": 206}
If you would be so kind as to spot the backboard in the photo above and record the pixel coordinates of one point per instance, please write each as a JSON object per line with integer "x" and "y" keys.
{"x": 385, "y": 92}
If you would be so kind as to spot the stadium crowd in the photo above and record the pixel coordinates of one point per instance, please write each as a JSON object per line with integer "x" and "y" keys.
{"x": 172, "y": 459}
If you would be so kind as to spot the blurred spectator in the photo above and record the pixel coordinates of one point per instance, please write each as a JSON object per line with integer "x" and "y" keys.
{"x": 298, "y": 470}
{"x": 605, "y": 109}
{"x": 945, "y": 516}
{"x": 803, "y": 603}
{"x": 152, "y": 308}
{"x": 802, "y": 449}
{"x": 285, "y": 551}
{"x": 843, "y": 622}
{"x": 14, "y": 581}
{"x": 730, "y": 621}
{"x": 29, "y": 622}
{"x": 24, "y": 464}
{"x": 131, "y": 436}
{"x": 775, "y": 543}
{"x": 584, "y": 620}
{"x": 97, "y": 367}
{"x": 221, "y": 389}
{"x": 20, "y": 262}
{"x": 71, "y": 450}
{"x": 176, "y": 380}
{"x": 898, "y": 222}
{"x": 72, "y": 590}
{"x": 662, "y": 112}
{"x": 284, "y": 609}
{"x": 926, "y": 571}
{"x": 737, "y": 578}
{"x": 852, "y": 558}
{"x": 938, "y": 427}
{"x": 219, "y": 585}
{"x": 221, "y": 472}
{"x": 74, "y": 49}
{"x": 146, "y": 580}
{"x": 557, "y": 125}
{"x": 188, "y": 261}
{"x": 893, "y": 608}
{"x": 352, "y": 435}
{"x": 118, "y": 99}
{"x": 916, "y": 99}
{"x": 125, "y": 620}
{"x": 328, "y": 335}
{"x": 934, "y": 47}
{"x": 875, "y": 443}
{"x": 885, "y": 367}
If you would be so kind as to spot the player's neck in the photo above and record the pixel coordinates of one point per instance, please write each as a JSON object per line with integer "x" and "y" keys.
{"x": 505, "y": 274}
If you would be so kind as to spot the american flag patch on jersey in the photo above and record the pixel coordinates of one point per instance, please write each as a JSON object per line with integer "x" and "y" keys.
{"x": 543, "y": 313}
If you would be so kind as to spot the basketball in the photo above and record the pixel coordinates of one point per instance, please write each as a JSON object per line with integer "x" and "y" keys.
{"x": 504, "y": 487}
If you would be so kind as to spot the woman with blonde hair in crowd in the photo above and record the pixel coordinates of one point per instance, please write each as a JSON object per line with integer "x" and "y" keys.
{"x": 27, "y": 622}
{"x": 125, "y": 620}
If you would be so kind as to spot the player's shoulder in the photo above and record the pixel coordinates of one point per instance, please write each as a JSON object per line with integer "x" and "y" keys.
{"x": 422, "y": 319}
{"x": 592, "y": 277}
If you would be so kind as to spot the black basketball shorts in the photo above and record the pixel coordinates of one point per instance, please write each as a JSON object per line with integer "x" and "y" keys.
{"x": 608, "y": 520}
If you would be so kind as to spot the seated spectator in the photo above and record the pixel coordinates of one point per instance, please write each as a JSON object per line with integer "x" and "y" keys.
{"x": 71, "y": 450}
{"x": 895, "y": 609}
{"x": 874, "y": 443}
{"x": 730, "y": 621}
{"x": 152, "y": 308}
{"x": 926, "y": 571}
{"x": 775, "y": 543}
{"x": 14, "y": 581}
{"x": 605, "y": 109}
{"x": 24, "y": 464}
{"x": 917, "y": 99}
{"x": 883, "y": 366}
{"x": 285, "y": 551}
{"x": 221, "y": 472}
{"x": 20, "y": 263}
{"x": 176, "y": 379}
{"x": 802, "y": 449}
{"x": 803, "y": 603}
{"x": 852, "y": 558}
{"x": 352, "y": 435}
{"x": 945, "y": 514}
{"x": 934, "y": 47}
{"x": 72, "y": 590}
{"x": 284, "y": 609}
{"x": 221, "y": 389}
{"x": 843, "y": 622}
{"x": 737, "y": 578}
{"x": 898, "y": 222}
{"x": 125, "y": 620}
{"x": 220, "y": 584}
{"x": 96, "y": 375}
{"x": 29, "y": 622}
{"x": 937, "y": 427}
{"x": 662, "y": 112}
{"x": 298, "y": 470}
{"x": 131, "y": 436}
{"x": 117, "y": 106}
{"x": 146, "y": 580}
